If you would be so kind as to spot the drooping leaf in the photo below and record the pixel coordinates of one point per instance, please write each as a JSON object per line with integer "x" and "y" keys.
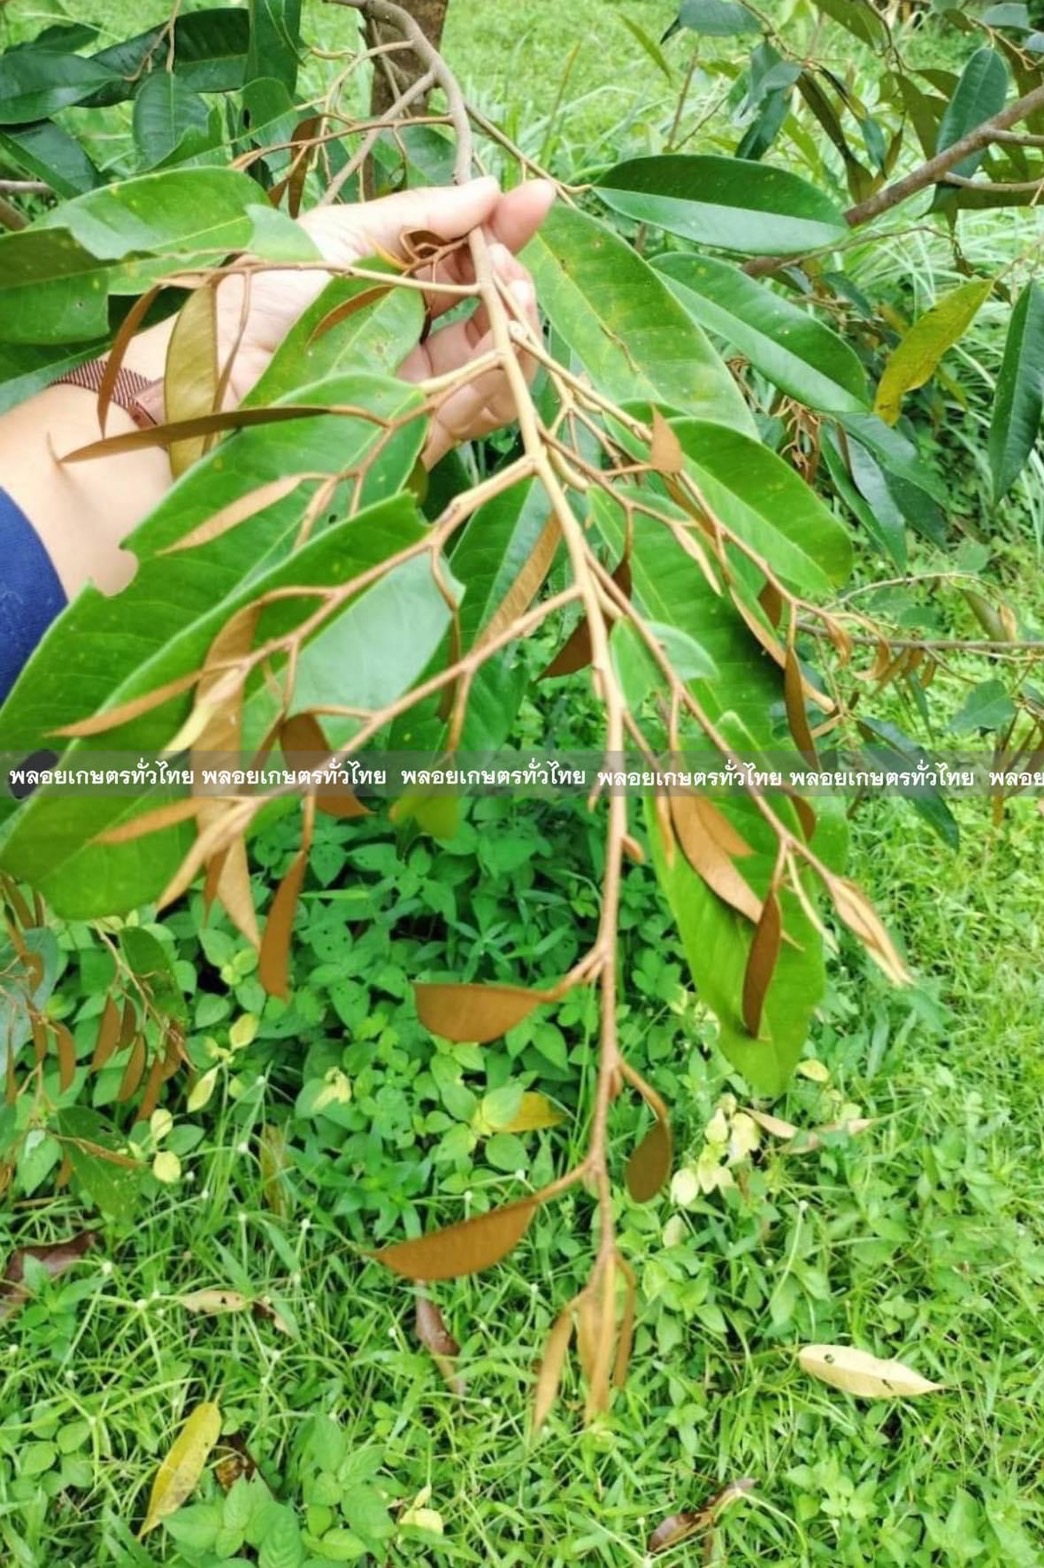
{"x": 165, "y": 112}
{"x": 858, "y": 1372}
{"x": 55, "y": 1257}
{"x": 465, "y": 1248}
{"x": 793, "y": 350}
{"x": 180, "y": 1471}
{"x": 860, "y": 17}
{"x": 650, "y": 1164}
{"x": 717, "y": 18}
{"x": 761, "y": 963}
{"x": 766, "y": 211}
{"x": 1019, "y": 400}
{"x": 436, "y": 1338}
{"x": 701, "y": 830}
{"x": 858, "y": 914}
{"x": 274, "y": 958}
{"x": 36, "y": 83}
{"x": 305, "y": 747}
{"x": 915, "y": 359}
{"x": 47, "y": 151}
{"x": 987, "y": 707}
{"x": 621, "y": 320}
{"x": 477, "y": 1013}
{"x": 275, "y": 41}
{"x": 192, "y": 373}
{"x": 552, "y": 1365}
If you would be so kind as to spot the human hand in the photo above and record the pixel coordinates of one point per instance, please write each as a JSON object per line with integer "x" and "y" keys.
{"x": 347, "y": 234}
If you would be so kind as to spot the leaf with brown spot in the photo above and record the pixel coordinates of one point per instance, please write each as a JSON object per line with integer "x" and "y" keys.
{"x": 858, "y": 914}
{"x": 474, "y": 1014}
{"x": 214, "y": 1301}
{"x": 761, "y": 963}
{"x": 56, "y": 1257}
{"x": 180, "y": 1471}
{"x": 552, "y": 1365}
{"x": 274, "y": 962}
{"x": 236, "y": 1462}
{"x": 695, "y": 830}
{"x": 236, "y": 512}
{"x": 665, "y": 450}
{"x": 436, "y": 1338}
{"x": 650, "y": 1164}
{"x": 797, "y": 717}
{"x": 465, "y": 1248}
{"x": 857, "y": 1372}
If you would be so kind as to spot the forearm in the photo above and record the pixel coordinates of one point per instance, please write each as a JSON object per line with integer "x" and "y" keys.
{"x": 83, "y": 511}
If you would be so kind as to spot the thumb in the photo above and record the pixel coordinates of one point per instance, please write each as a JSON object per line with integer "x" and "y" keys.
{"x": 348, "y": 233}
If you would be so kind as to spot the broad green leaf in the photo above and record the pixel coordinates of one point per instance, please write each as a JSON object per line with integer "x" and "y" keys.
{"x": 26, "y": 368}
{"x": 52, "y": 290}
{"x": 717, "y": 18}
{"x": 623, "y": 323}
{"x": 859, "y": 16}
{"x": 898, "y": 456}
{"x": 793, "y": 350}
{"x": 916, "y": 357}
{"x": 34, "y": 84}
{"x": 1016, "y": 16}
{"x": 765, "y": 502}
{"x": 1019, "y": 399}
{"x": 755, "y": 210}
{"x": 182, "y": 213}
{"x": 275, "y": 40}
{"x": 46, "y": 151}
{"x": 988, "y": 707}
{"x": 861, "y": 484}
{"x": 99, "y": 1161}
{"x": 165, "y": 111}
{"x": 210, "y": 54}
{"x": 493, "y": 551}
{"x": 980, "y": 94}
{"x": 637, "y": 670}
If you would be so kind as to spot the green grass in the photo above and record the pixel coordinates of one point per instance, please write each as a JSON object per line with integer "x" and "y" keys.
{"x": 922, "y": 1238}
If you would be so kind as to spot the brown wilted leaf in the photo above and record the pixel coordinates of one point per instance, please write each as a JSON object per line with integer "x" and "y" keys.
{"x": 675, "y": 1528}
{"x": 274, "y": 963}
{"x": 857, "y": 1372}
{"x": 797, "y": 717}
{"x": 57, "y": 1257}
{"x": 180, "y": 1471}
{"x": 771, "y": 601}
{"x": 858, "y": 914}
{"x": 133, "y": 1072}
{"x": 575, "y": 652}
{"x": 349, "y": 308}
{"x": 238, "y": 511}
{"x": 66, "y": 1056}
{"x": 128, "y": 1025}
{"x": 108, "y": 1035}
{"x": 761, "y": 963}
{"x": 650, "y": 1164}
{"x": 274, "y": 1162}
{"x": 436, "y": 1338}
{"x": 236, "y": 1462}
{"x": 469, "y": 1014}
{"x": 306, "y": 747}
{"x": 552, "y": 1365}
{"x": 465, "y": 1248}
{"x": 697, "y": 833}
{"x": 665, "y": 451}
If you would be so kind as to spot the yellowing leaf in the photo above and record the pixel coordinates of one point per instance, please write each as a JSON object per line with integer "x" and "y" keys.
{"x": 166, "y": 1167}
{"x": 665, "y": 450}
{"x": 915, "y": 359}
{"x": 474, "y": 1013}
{"x": 857, "y": 1372}
{"x": 201, "y": 1091}
{"x": 466, "y": 1248}
{"x": 534, "y": 1112}
{"x": 213, "y": 1302}
{"x": 650, "y": 1164}
{"x": 243, "y": 1031}
{"x": 192, "y": 373}
{"x": 177, "y": 1476}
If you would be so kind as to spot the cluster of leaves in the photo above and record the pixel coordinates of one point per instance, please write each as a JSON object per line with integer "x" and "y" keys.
{"x": 666, "y": 489}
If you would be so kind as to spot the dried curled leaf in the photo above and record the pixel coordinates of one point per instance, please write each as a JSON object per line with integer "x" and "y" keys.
{"x": 858, "y": 1372}
{"x": 575, "y": 652}
{"x": 469, "y": 1014}
{"x": 650, "y": 1164}
{"x": 797, "y": 716}
{"x": 465, "y": 1248}
{"x": 274, "y": 961}
{"x": 306, "y": 747}
{"x": 701, "y": 831}
{"x": 675, "y": 1528}
{"x": 761, "y": 963}
{"x": 436, "y": 1338}
{"x": 177, "y": 1476}
{"x": 108, "y": 1035}
{"x": 665, "y": 450}
{"x": 549, "y": 1378}
{"x": 858, "y": 914}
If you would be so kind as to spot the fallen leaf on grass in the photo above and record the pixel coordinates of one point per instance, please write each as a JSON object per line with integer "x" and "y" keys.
{"x": 54, "y": 1256}
{"x": 179, "y": 1472}
{"x": 799, "y": 1141}
{"x": 857, "y": 1372}
{"x": 435, "y": 1337}
{"x": 214, "y": 1301}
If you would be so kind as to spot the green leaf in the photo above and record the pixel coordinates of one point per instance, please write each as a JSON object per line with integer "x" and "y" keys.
{"x": 988, "y": 707}
{"x": 111, "y": 1186}
{"x": 36, "y": 84}
{"x": 717, "y": 18}
{"x": 1019, "y": 399}
{"x": 793, "y": 350}
{"x": 46, "y": 151}
{"x": 916, "y": 357}
{"x": 638, "y": 672}
{"x": 622, "y": 322}
{"x": 165, "y": 111}
{"x": 25, "y": 368}
{"x": 183, "y": 213}
{"x": 980, "y": 94}
{"x": 1016, "y": 16}
{"x": 768, "y": 506}
{"x": 757, "y": 211}
{"x": 210, "y": 55}
{"x": 860, "y": 17}
{"x": 52, "y": 290}
{"x": 889, "y": 748}
{"x": 275, "y": 40}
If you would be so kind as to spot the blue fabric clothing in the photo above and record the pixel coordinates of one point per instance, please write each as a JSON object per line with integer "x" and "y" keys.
{"x": 31, "y": 594}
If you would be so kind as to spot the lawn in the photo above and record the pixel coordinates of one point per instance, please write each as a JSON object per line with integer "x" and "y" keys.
{"x": 921, "y": 1237}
